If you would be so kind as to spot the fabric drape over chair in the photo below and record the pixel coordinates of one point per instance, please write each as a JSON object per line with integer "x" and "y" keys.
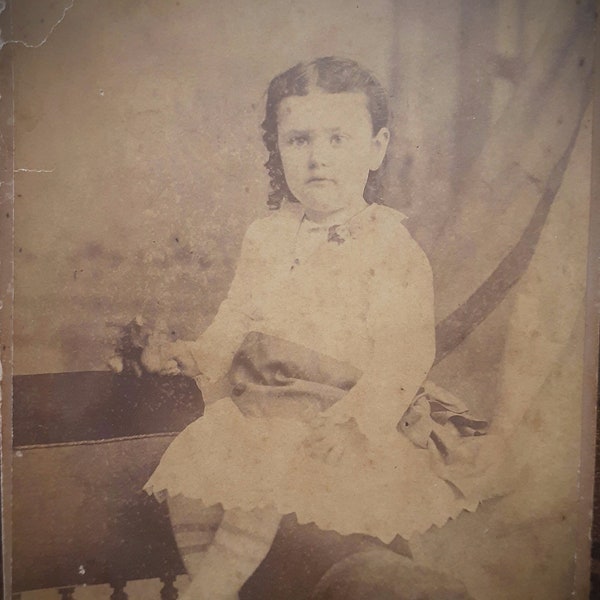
{"x": 506, "y": 233}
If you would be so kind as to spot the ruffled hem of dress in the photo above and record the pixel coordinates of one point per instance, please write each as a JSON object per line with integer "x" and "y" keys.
{"x": 401, "y": 496}
{"x": 412, "y": 527}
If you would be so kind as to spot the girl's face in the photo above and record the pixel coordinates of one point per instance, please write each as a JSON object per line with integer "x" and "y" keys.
{"x": 327, "y": 149}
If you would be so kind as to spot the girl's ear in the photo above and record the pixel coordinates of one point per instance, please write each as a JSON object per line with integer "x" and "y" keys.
{"x": 379, "y": 145}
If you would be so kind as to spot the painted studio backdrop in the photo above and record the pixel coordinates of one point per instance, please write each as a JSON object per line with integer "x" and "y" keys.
{"x": 139, "y": 166}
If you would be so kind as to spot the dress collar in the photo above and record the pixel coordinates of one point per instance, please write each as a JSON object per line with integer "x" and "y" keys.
{"x": 296, "y": 211}
{"x": 344, "y": 227}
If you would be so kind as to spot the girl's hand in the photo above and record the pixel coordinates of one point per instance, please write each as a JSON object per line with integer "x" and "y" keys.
{"x": 329, "y": 440}
{"x": 169, "y": 358}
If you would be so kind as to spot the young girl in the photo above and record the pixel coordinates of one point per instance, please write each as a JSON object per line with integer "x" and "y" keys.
{"x": 326, "y": 334}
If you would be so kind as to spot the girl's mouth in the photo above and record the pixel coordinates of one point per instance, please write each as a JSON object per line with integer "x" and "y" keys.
{"x": 320, "y": 180}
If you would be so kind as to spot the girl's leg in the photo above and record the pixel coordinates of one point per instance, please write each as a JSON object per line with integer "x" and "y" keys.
{"x": 194, "y": 526}
{"x": 239, "y": 546}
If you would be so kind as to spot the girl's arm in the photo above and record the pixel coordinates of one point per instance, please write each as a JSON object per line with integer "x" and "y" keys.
{"x": 208, "y": 358}
{"x": 216, "y": 346}
{"x": 401, "y": 324}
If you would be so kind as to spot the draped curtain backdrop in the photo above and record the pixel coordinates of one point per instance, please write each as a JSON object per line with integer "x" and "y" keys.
{"x": 139, "y": 166}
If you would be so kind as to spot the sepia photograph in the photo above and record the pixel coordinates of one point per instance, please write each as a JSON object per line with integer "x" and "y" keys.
{"x": 299, "y": 299}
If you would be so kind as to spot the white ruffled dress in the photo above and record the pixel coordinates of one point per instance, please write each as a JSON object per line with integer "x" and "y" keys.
{"x": 360, "y": 292}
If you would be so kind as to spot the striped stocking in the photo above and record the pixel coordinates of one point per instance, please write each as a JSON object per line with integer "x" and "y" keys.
{"x": 220, "y": 562}
{"x": 194, "y": 526}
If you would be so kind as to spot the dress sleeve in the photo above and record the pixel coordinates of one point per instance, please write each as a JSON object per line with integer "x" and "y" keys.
{"x": 402, "y": 329}
{"x": 216, "y": 346}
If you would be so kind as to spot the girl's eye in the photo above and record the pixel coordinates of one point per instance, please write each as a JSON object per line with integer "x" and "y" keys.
{"x": 298, "y": 141}
{"x": 336, "y": 139}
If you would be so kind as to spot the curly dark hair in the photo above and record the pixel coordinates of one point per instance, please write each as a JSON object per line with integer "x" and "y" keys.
{"x": 332, "y": 75}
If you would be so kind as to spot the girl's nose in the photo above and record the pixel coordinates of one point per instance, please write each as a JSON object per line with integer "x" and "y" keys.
{"x": 318, "y": 155}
